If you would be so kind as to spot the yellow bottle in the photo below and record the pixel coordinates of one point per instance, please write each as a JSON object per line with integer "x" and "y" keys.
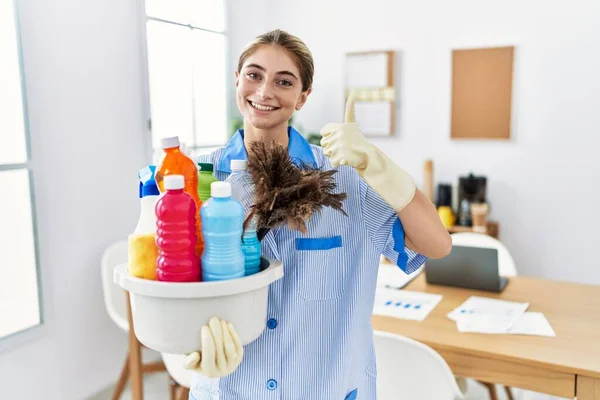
{"x": 446, "y": 215}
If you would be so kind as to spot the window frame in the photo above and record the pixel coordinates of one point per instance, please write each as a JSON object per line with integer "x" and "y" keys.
{"x": 145, "y": 67}
{"x": 16, "y": 339}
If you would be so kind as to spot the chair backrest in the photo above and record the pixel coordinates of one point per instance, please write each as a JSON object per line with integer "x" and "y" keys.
{"x": 174, "y": 365}
{"x": 115, "y": 298}
{"x": 506, "y": 264}
{"x": 407, "y": 369}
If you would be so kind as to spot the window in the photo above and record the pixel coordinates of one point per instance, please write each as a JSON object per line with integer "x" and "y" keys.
{"x": 187, "y": 74}
{"x": 19, "y": 290}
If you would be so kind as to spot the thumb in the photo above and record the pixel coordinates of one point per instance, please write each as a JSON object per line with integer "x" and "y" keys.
{"x": 349, "y": 114}
{"x": 192, "y": 360}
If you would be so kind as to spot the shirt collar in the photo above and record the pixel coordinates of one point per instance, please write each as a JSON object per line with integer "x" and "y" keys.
{"x": 298, "y": 148}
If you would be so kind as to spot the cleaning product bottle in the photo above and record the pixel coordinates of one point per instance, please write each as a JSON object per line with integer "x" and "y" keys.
{"x": 175, "y": 162}
{"x": 186, "y": 150}
{"x": 251, "y": 249}
{"x": 142, "y": 250}
{"x": 222, "y": 220}
{"x": 176, "y": 233}
{"x": 205, "y": 178}
{"x": 243, "y": 187}
{"x": 444, "y": 205}
{"x": 149, "y": 195}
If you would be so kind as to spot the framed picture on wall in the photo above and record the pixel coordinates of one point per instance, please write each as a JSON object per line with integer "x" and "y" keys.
{"x": 370, "y": 77}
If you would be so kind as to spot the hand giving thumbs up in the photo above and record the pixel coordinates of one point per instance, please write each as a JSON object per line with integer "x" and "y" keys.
{"x": 345, "y": 144}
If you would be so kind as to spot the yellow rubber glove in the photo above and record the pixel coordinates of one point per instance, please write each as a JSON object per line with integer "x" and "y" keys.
{"x": 221, "y": 353}
{"x": 345, "y": 144}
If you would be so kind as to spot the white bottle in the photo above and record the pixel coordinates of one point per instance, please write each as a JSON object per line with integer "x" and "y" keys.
{"x": 238, "y": 177}
{"x": 149, "y": 195}
{"x": 186, "y": 151}
{"x": 242, "y": 186}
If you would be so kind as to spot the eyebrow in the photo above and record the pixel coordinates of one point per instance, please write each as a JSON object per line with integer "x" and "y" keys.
{"x": 264, "y": 70}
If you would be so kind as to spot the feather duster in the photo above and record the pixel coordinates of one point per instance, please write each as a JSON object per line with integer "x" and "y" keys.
{"x": 287, "y": 194}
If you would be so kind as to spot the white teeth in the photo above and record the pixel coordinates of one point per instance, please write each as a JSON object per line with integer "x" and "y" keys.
{"x": 261, "y": 107}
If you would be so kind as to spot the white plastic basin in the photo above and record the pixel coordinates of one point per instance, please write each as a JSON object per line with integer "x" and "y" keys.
{"x": 168, "y": 316}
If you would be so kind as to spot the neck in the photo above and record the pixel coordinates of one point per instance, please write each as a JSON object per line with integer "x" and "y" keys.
{"x": 279, "y": 134}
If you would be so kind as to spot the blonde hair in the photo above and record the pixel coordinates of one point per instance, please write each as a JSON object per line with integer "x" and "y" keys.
{"x": 295, "y": 47}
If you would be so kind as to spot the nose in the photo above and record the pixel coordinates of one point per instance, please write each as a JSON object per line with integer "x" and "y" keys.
{"x": 265, "y": 90}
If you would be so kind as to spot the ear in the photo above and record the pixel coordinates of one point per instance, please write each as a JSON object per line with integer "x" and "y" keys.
{"x": 302, "y": 99}
{"x": 237, "y": 78}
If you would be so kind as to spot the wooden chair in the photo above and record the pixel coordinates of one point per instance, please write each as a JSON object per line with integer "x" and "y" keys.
{"x": 180, "y": 378}
{"x": 118, "y": 307}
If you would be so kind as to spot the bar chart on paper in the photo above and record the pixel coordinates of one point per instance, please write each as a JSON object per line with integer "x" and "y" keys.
{"x": 486, "y": 315}
{"x": 404, "y": 304}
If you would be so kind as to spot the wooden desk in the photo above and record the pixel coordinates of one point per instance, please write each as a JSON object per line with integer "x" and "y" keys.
{"x": 566, "y": 365}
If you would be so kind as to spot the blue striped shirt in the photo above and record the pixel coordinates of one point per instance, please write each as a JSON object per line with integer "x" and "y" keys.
{"x": 318, "y": 340}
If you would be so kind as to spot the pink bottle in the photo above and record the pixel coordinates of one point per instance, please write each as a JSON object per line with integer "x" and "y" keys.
{"x": 176, "y": 234}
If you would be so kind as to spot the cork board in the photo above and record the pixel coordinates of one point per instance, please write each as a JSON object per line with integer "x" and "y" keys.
{"x": 482, "y": 93}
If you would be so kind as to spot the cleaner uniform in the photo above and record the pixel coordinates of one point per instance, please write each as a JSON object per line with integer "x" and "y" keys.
{"x": 318, "y": 342}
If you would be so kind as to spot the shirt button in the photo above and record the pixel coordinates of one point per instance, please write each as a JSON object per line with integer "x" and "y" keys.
{"x": 272, "y": 323}
{"x": 271, "y": 384}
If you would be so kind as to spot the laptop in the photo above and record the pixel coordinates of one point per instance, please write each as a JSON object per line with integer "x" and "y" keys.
{"x": 467, "y": 267}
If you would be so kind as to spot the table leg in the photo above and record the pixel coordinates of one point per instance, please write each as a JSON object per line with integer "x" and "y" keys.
{"x": 135, "y": 359}
{"x": 491, "y": 390}
{"x": 588, "y": 388}
{"x": 183, "y": 393}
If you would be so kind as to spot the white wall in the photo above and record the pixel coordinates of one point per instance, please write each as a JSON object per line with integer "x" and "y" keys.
{"x": 544, "y": 184}
{"x": 245, "y": 20}
{"x": 82, "y": 68}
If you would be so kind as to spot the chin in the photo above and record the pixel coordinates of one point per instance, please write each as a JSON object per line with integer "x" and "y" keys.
{"x": 266, "y": 123}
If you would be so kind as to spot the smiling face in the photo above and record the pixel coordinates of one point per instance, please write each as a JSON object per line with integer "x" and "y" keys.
{"x": 269, "y": 88}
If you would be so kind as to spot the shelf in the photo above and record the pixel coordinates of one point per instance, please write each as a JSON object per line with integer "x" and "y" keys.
{"x": 493, "y": 229}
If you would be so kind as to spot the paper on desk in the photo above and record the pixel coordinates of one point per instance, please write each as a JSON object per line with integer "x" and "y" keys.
{"x": 391, "y": 276}
{"x": 404, "y": 304}
{"x": 529, "y": 323}
{"x": 485, "y": 315}
{"x": 532, "y": 323}
{"x": 483, "y": 324}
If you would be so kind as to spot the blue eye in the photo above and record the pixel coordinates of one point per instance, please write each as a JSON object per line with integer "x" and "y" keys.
{"x": 285, "y": 82}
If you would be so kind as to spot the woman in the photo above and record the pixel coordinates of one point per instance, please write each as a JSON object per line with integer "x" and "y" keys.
{"x": 318, "y": 344}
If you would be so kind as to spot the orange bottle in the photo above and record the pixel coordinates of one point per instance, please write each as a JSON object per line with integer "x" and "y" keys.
{"x": 175, "y": 162}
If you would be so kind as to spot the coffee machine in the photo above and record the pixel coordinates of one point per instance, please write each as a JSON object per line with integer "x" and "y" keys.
{"x": 471, "y": 189}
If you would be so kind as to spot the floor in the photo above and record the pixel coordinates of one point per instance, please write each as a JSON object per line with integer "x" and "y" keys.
{"x": 156, "y": 387}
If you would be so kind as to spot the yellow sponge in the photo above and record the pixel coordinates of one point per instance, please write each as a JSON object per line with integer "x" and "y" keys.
{"x": 142, "y": 256}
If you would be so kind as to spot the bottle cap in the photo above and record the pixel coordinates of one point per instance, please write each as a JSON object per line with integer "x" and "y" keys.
{"x": 205, "y": 167}
{"x": 174, "y": 182}
{"x": 148, "y": 186}
{"x": 239, "y": 165}
{"x": 220, "y": 189}
{"x": 169, "y": 142}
